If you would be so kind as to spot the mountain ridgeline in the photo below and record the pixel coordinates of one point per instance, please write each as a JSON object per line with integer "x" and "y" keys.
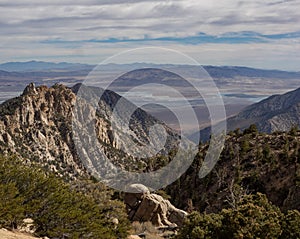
{"x": 37, "y": 126}
{"x": 251, "y": 162}
{"x": 276, "y": 113}
{"x": 258, "y": 165}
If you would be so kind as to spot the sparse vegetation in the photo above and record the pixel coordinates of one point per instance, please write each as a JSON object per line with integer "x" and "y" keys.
{"x": 253, "y": 192}
{"x": 58, "y": 210}
{"x": 254, "y": 217}
{"x": 265, "y": 163}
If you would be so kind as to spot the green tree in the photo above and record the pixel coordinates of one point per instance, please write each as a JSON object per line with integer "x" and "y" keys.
{"x": 291, "y": 225}
{"x": 251, "y": 130}
{"x": 58, "y": 210}
{"x": 294, "y": 129}
{"x": 254, "y": 217}
{"x": 201, "y": 226}
{"x": 245, "y": 146}
{"x": 11, "y": 209}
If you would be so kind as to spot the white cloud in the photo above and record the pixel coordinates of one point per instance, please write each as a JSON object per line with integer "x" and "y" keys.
{"x": 26, "y": 23}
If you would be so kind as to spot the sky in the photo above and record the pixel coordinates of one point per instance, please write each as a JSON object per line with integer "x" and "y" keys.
{"x": 254, "y": 33}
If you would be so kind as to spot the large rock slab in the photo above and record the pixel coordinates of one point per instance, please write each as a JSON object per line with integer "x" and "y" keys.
{"x": 144, "y": 206}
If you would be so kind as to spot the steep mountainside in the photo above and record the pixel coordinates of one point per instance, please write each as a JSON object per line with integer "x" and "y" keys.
{"x": 250, "y": 162}
{"x": 38, "y": 126}
{"x": 276, "y": 113}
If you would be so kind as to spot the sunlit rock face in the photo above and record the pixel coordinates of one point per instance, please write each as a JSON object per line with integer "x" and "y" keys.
{"x": 37, "y": 126}
{"x": 144, "y": 206}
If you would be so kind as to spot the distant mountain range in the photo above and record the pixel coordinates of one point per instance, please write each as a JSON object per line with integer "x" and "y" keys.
{"x": 239, "y": 86}
{"x": 276, "y": 113}
{"x": 238, "y": 71}
{"x": 214, "y": 71}
{"x": 41, "y": 66}
{"x": 234, "y": 82}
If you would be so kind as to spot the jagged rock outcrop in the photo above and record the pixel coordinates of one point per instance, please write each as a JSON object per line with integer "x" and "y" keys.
{"x": 145, "y": 206}
{"x": 37, "y": 126}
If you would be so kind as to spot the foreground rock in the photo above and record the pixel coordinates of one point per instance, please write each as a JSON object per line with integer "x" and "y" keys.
{"x": 5, "y": 234}
{"x": 144, "y": 206}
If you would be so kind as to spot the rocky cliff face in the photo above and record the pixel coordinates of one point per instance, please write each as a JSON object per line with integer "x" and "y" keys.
{"x": 37, "y": 126}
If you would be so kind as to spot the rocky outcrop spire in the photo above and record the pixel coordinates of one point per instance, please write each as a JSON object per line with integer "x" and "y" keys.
{"x": 30, "y": 90}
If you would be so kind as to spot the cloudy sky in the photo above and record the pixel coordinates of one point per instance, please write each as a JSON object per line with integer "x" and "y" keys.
{"x": 264, "y": 34}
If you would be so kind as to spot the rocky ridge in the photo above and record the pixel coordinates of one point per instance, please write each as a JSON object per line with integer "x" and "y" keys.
{"x": 276, "y": 113}
{"x": 37, "y": 126}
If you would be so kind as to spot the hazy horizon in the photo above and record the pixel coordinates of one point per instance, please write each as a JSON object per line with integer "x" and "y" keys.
{"x": 145, "y": 63}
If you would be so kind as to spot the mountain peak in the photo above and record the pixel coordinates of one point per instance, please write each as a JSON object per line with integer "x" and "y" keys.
{"x": 30, "y": 89}
{"x": 39, "y": 123}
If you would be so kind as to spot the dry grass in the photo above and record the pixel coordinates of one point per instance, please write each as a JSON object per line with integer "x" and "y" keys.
{"x": 145, "y": 227}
